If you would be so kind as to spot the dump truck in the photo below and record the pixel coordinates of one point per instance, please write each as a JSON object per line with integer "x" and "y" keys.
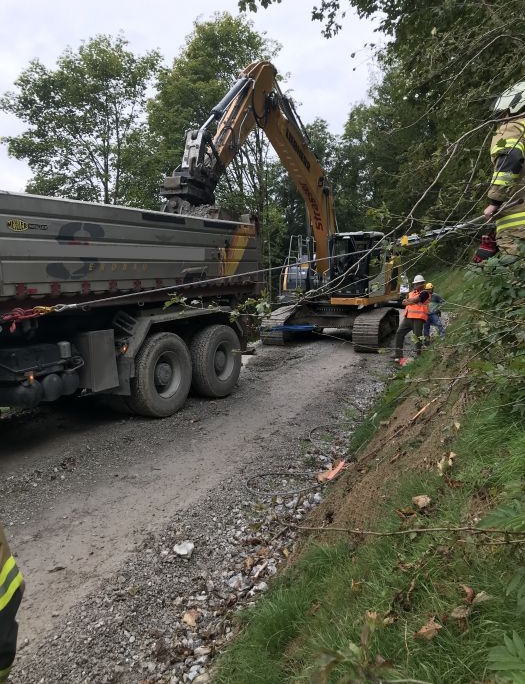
{"x": 84, "y": 290}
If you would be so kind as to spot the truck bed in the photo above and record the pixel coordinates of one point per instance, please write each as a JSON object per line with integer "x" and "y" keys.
{"x": 55, "y": 250}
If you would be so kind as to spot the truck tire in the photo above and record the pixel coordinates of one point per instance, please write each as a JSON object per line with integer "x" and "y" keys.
{"x": 216, "y": 359}
{"x": 162, "y": 376}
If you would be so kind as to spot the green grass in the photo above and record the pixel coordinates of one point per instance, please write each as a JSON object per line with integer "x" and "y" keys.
{"x": 309, "y": 626}
{"x": 320, "y": 604}
{"x": 317, "y": 609}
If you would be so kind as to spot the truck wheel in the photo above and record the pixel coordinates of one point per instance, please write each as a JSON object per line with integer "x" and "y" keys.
{"x": 162, "y": 376}
{"x": 216, "y": 358}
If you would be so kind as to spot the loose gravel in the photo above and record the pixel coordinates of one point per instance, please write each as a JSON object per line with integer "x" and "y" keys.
{"x": 169, "y": 608}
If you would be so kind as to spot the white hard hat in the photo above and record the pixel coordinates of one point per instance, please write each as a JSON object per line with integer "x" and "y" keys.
{"x": 418, "y": 279}
{"x": 512, "y": 99}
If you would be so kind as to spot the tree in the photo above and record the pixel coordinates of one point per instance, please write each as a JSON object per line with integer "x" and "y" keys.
{"x": 86, "y": 122}
{"x": 214, "y": 54}
{"x": 442, "y": 68}
{"x": 329, "y": 12}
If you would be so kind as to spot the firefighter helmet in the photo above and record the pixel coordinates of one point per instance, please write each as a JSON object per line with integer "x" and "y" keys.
{"x": 512, "y": 99}
{"x": 429, "y": 286}
{"x": 418, "y": 279}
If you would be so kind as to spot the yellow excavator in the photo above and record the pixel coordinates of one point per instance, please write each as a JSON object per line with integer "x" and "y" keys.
{"x": 335, "y": 279}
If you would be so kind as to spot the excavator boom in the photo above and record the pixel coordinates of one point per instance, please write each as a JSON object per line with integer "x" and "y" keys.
{"x": 255, "y": 101}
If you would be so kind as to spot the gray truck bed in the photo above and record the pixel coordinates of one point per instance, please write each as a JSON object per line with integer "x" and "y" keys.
{"x": 63, "y": 250}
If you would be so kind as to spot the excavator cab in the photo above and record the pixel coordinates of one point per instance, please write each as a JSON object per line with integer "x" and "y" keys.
{"x": 356, "y": 261}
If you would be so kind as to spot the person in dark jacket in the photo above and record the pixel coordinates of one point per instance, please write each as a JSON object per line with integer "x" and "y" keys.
{"x": 11, "y": 589}
{"x": 434, "y": 314}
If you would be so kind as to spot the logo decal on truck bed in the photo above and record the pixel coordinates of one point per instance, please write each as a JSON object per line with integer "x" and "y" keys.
{"x": 18, "y": 226}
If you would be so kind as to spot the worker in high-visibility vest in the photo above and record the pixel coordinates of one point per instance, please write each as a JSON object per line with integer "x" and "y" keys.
{"x": 11, "y": 589}
{"x": 507, "y": 151}
{"x": 416, "y": 314}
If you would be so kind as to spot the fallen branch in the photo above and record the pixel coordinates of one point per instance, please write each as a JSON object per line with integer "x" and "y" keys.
{"x": 402, "y": 681}
{"x": 399, "y": 533}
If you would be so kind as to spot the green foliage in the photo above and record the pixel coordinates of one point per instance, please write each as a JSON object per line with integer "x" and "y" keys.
{"x": 516, "y": 587}
{"x": 351, "y": 612}
{"x": 420, "y": 149}
{"x": 329, "y": 12}
{"x": 253, "y": 307}
{"x": 509, "y": 659}
{"x": 86, "y": 122}
{"x": 252, "y": 311}
{"x": 200, "y": 76}
{"x": 359, "y": 662}
{"x": 498, "y": 334}
{"x": 509, "y": 517}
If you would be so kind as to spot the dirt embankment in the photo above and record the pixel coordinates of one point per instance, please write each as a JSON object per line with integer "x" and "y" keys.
{"x": 413, "y": 438}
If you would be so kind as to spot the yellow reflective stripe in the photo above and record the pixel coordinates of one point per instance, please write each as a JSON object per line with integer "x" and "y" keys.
{"x": 6, "y": 569}
{"x": 511, "y": 221}
{"x": 508, "y": 143}
{"x": 4, "y": 674}
{"x": 10, "y": 581}
{"x": 504, "y": 178}
{"x": 14, "y": 585}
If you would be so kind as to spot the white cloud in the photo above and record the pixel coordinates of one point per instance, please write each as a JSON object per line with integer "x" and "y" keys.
{"x": 321, "y": 77}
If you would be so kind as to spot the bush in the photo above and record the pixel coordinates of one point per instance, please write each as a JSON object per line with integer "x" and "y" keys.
{"x": 497, "y": 334}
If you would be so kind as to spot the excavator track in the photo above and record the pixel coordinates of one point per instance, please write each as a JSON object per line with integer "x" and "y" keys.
{"x": 272, "y": 330}
{"x": 371, "y": 328}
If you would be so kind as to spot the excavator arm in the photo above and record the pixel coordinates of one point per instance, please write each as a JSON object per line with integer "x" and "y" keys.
{"x": 254, "y": 100}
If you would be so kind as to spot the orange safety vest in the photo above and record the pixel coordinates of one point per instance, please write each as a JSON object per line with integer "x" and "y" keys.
{"x": 417, "y": 310}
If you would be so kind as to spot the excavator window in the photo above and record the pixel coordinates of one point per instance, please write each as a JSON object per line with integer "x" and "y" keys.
{"x": 348, "y": 266}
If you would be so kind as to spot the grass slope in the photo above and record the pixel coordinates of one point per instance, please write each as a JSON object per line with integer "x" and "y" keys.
{"x": 411, "y": 607}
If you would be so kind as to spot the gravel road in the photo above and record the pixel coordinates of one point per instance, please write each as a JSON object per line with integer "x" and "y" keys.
{"x": 100, "y": 508}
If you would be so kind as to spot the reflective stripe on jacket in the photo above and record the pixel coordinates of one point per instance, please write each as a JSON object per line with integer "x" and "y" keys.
{"x": 10, "y": 580}
{"x": 515, "y": 220}
{"x": 4, "y": 674}
{"x": 507, "y": 151}
{"x": 11, "y": 585}
{"x": 417, "y": 309}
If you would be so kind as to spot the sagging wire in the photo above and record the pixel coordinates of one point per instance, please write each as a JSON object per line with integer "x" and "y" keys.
{"x": 250, "y": 483}
{"x": 318, "y": 443}
{"x": 333, "y": 284}
{"x": 22, "y": 314}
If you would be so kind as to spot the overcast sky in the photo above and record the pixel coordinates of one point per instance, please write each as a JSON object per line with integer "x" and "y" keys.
{"x": 321, "y": 74}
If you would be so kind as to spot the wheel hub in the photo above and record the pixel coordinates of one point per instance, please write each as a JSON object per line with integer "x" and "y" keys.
{"x": 220, "y": 361}
{"x": 163, "y": 374}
